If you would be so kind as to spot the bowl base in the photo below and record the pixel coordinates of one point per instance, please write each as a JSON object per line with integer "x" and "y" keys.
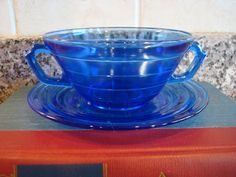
{"x": 117, "y": 108}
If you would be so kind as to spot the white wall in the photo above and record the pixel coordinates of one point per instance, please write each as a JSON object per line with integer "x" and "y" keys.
{"x": 35, "y": 17}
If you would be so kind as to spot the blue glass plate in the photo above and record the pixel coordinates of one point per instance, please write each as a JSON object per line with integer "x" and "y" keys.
{"x": 175, "y": 103}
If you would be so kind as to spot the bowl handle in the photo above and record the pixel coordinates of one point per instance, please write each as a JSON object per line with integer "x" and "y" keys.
{"x": 199, "y": 56}
{"x": 31, "y": 58}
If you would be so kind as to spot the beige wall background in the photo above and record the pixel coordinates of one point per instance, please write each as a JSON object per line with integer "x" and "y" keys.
{"x": 35, "y": 17}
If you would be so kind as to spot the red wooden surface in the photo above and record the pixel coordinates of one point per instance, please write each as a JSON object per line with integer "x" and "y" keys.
{"x": 176, "y": 152}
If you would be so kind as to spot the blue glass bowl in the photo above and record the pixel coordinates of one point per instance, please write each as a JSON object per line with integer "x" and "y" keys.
{"x": 117, "y": 68}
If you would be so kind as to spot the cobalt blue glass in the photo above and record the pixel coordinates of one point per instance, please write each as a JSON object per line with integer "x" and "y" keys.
{"x": 176, "y": 102}
{"x": 117, "y": 69}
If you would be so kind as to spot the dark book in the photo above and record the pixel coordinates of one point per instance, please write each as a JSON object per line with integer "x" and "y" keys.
{"x": 204, "y": 145}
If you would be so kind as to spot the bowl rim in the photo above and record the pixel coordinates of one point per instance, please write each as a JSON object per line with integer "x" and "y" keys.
{"x": 47, "y": 37}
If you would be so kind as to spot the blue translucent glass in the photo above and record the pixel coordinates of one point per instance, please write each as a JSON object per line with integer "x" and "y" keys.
{"x": 117, "y": 68}
{"x": 176, "y": 102}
